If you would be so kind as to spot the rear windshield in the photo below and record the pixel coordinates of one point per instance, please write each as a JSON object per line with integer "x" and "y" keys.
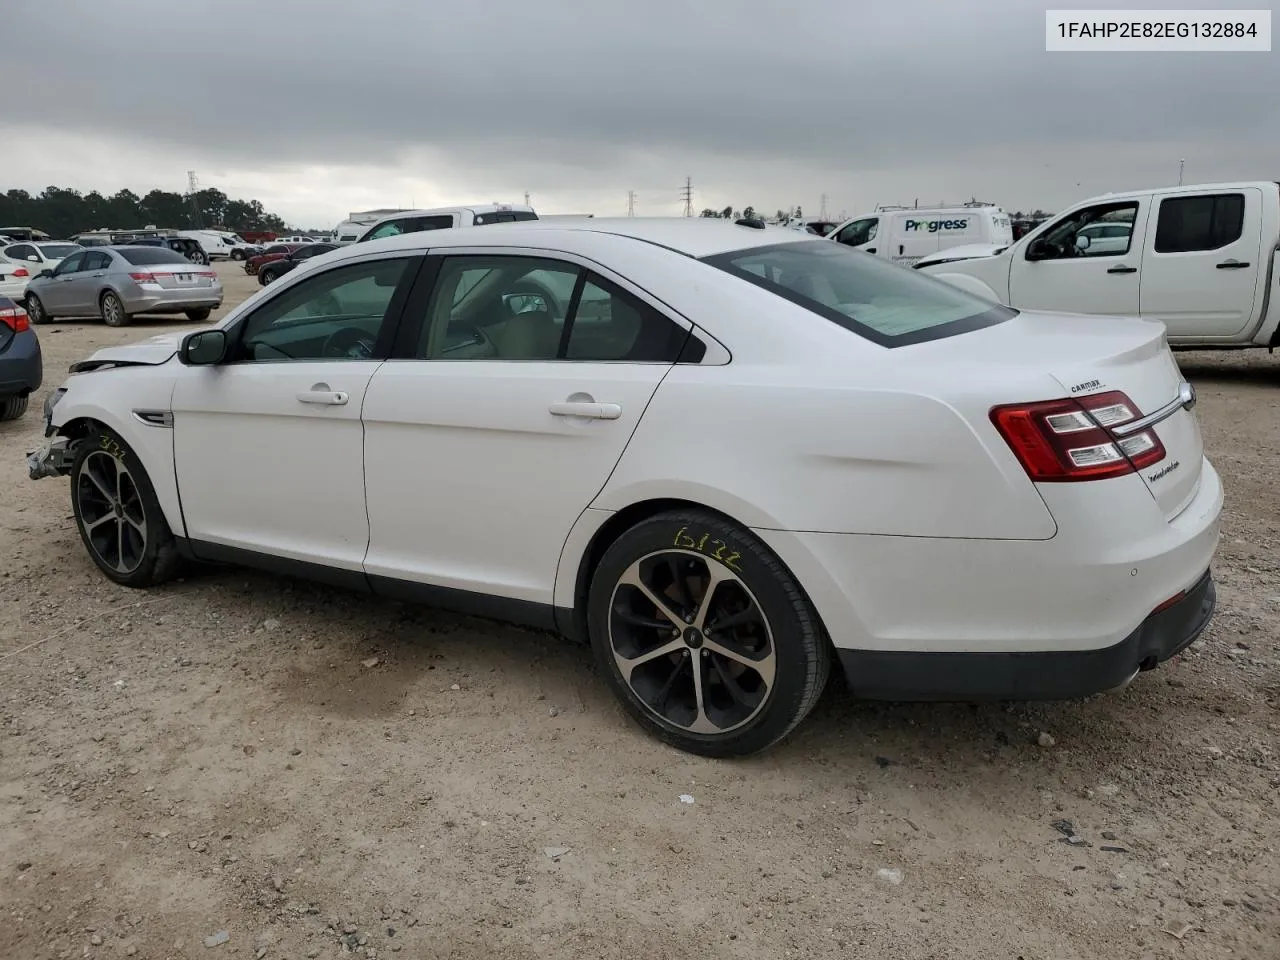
{"x": 888, "y": 304}
{"x": 142, "y": 256}
{"x": 57, "y": 251}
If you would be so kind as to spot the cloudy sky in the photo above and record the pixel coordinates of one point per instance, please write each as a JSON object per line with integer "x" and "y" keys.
{"x": 320, "y": 107}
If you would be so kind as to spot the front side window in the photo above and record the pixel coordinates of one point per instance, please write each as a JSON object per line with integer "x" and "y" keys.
{"x": 873, "y": 298}
{"x": 1103, "y": 230}
{"x": 72, "y": 264}
{"x": 534, "y": 308}
{"x": 336, "y": 315}
{"x": 859, "y": 232}
{"x": 1188, "y": 224}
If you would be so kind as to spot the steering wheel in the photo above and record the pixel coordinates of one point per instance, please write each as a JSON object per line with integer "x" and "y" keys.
{"x": 349, "y": 343}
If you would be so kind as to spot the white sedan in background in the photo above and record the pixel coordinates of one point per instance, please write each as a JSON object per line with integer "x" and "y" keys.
{"x": 24, "y": 261}
{"x": 726, "y": 456}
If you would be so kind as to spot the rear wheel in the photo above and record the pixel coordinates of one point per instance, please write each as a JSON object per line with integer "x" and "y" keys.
{"x": 266, "y": 275}
{"x": 113, "y": 314}
{"x": 198, "y": 316}
{"x": 118, "y": 514}
{"x": 195, "y": 256}
{"x": 237, "y": 254}
{"x": 11, "y": 408}
{"x": 36, "y": 312}
{"x": 705, "y": 636}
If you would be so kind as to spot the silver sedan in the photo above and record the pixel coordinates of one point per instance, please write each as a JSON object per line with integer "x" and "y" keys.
{"x": 117, "y": 283}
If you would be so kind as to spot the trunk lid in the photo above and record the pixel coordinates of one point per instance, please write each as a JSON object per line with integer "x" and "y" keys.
{"x": 176, "y": 276}
{"x": 1086, "y": 355}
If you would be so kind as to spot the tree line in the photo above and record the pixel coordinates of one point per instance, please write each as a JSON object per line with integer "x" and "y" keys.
{"x": 63, "y": 212}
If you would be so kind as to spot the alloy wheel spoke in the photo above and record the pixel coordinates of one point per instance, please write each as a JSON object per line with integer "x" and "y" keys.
{"x": 632, "y": 578}
{"x": 701, "y": 722}
{"x": 95, "y": 524}
{"x": 764, "y": 666}
{"x": 120, "y": 564}
{"x": 628, "y": 664}
{"x": 717, "y": 576}
{"x": 98, "y": 482}
{"x": 731, "y": 684}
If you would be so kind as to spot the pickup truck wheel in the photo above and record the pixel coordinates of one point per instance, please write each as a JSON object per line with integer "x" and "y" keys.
{"x": 118, "y": 513}
{"x": 113, "y": 314}
{"x": 11, "y": 408}
{"x": 36, "y": 312}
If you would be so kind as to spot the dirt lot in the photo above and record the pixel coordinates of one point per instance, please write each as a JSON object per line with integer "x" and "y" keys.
{"x": 219, "y": 756}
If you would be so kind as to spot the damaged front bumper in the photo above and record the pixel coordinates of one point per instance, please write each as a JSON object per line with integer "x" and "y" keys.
{"x": 52, "y": 459}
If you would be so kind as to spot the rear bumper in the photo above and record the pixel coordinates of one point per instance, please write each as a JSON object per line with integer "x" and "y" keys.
{"x": 1054, "y": 675}
{"x": 14, "y": 289}
{"x": 173, "y": 301}
{"x": 21, "y": 365}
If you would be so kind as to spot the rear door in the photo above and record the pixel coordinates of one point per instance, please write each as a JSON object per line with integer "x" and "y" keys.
{"x": 1204, "y": 269}
{"x": 502, "y": 417}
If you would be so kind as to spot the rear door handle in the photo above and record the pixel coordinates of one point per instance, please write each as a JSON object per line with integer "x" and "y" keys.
{"x": 1232, "y": 265}
{"x": 593, "y": 411}
{"x": 1123, "y": 269}
{"x": 334, "y": 398}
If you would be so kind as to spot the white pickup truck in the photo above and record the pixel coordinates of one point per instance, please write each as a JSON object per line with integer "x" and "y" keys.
{"x": 1200, "y": 259}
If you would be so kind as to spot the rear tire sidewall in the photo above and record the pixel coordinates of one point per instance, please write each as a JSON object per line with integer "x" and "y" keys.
{"x": 160, "y": 556}
{"x": 801, "y": 647}
{"x": 237, "y": 255}
{"x": 121, "y": 318}
{"x": 199, "y": 316}
{"x": 11, "y": 408}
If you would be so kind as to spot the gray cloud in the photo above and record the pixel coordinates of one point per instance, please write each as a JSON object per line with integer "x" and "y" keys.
{"x": 568, "y": 98}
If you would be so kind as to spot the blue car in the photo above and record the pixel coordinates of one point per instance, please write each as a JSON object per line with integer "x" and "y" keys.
{"x": 21, "y": 366}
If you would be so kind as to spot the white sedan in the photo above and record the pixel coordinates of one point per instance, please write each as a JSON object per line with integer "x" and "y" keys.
{"x": 23, "y": 261}
{"x": 726, "y": 456}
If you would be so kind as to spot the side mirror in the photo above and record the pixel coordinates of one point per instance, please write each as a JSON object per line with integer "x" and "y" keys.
{"x": 1038, "y": 249}
{"x": 203, "y": 348}
{"x": 1082, "y": 242}
{"x": 44, "y": 273}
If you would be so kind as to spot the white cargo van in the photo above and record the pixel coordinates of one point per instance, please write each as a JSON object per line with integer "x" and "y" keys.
{"x": 218, "y": 245}
{"x": 905, "y": 235}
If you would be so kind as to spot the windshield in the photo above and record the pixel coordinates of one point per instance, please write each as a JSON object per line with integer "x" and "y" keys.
{"x": 56, "y": 251}
{"x": 142, "y": 256}
{"x": 885, "y": 303}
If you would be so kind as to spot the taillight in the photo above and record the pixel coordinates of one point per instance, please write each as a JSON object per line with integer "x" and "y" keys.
{"x": 1064, "y": 440}
{"x": 144, "y": 277}
{"x": 15, "y": 318}
{"x": 21, "y": 272}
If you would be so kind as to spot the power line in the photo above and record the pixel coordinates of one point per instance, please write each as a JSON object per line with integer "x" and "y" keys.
{"x": 687, "y": 195}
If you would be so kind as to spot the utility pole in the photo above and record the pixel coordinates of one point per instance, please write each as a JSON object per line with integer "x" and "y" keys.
{"x": 687, "y": 195}
{"x": 631, "y": 203}
{"x": 823, "y": 212}
{"x": 192, "y": 183}
{"x": 526, "y": 198}
{"x": 1181, "y": 164}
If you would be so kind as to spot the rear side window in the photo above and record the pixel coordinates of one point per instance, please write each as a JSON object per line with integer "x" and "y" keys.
{"x": 873, "y": 298}
{"x": 1209, "y": 222}
{"x": 141, "y": 256}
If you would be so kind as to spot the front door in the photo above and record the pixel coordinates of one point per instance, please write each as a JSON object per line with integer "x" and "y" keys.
{"x": 268, "y": 445}
{"x": 1063, "y": 271}
{"x": 57, "y": 293}
{"x": 1205, "y": 270}
{"x": 504, "y": 419}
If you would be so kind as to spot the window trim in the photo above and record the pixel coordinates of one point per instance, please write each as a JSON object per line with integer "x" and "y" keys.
{"x": 416, "y": 311}
{"x": 387, "y": 336}
{"x": 1215, "y": 197}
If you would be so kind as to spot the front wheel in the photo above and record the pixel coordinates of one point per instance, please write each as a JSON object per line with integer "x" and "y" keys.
{"x": 705, "y": 636}
{"x": 36, "y": 312}
{"x": 113, "y": 314}
{"x": 199, "y": 316}
{"x": 118, "y": 513}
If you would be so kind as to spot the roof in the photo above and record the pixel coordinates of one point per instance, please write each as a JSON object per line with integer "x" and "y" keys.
{"x": 694, "y": 236}
{"x": 1183, "y": 188}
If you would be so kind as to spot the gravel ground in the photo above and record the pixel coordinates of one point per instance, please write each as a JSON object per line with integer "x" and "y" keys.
{"x": 293, "y": 772}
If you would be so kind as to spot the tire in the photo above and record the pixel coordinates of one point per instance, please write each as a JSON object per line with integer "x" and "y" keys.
{"x": 11, "y": 408}
{"x": 199, "y": 316}
{"x": 112, "y": 310}
{"x": 36, "y": 312}
{"x": 266, "y": 276}
{"x": 237, "y": 255}
{"x": 150, "y": 555}
{"x": 775, "y": 628}
{"x": 195, "y": 256}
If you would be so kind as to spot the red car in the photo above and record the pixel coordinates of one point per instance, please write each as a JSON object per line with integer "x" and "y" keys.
{"x": 276, "y": 251}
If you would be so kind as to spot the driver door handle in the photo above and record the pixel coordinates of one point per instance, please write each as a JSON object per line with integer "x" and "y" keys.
{"x": 593, "y": 411}
{"x": 333, "y": 398}
{"x": 1232, "y": 265}
{"x": 1123, "y": 269}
